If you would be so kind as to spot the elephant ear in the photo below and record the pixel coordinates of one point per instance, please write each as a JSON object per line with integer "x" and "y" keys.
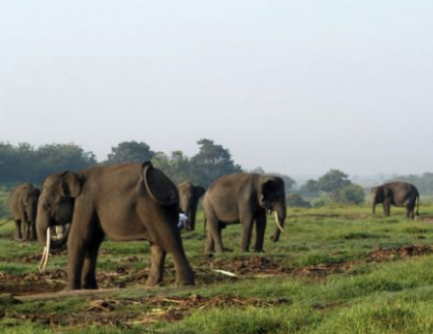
{"x": 270, "y": 189}
{"x": 266, "y": 190}
{"x": 70, "y": 185}
{"x": 160, "y": 188}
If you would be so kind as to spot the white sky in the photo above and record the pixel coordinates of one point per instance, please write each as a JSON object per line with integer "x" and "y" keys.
{"x": 296, "y": 87}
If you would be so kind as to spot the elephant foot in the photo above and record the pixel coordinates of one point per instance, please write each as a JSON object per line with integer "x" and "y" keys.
{"x": 88, "y": 286}
{"x": 152, "y": 281}
{"x": 70, "y": 288}
{"x": 185, "y": 281}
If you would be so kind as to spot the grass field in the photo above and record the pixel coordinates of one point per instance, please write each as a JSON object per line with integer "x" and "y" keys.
{"x": 335, "y": 270}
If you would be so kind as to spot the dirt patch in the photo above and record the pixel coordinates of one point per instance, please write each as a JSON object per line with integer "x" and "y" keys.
{"x": 425, "y": 218}
{"x": 382, "y": 255}
{"x": 25, "y": 284}
{"x": 209, "y": 271}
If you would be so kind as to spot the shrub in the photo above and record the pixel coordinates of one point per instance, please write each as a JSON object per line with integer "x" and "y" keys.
{"x": 350, "y": 194}
{"x": 296, "y": 200}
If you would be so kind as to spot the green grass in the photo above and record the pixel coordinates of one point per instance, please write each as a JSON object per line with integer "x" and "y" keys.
{"x": 375, "y": 287}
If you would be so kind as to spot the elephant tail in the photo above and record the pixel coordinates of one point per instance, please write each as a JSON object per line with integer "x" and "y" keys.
{"x": 417, "y": 205}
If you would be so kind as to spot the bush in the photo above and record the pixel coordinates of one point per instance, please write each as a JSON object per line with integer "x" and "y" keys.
{"x": 351, "y": 194}
{"x": 296, "y": 200}
{"x": 322, "y": 201}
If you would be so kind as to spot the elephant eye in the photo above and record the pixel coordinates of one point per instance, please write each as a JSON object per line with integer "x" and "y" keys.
{"x": 46, "y": 205}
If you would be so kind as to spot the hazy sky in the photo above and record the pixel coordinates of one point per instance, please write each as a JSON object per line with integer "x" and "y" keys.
{"x": 296, "y": 87}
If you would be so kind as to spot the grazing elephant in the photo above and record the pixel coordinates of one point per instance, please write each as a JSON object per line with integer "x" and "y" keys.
{"x": 189, "y": 196}
{"x": 124, "y": 202}
{"x": 400, "y": 194}
{"x": 23, "y": 202}
{"x": 243, "y": 198}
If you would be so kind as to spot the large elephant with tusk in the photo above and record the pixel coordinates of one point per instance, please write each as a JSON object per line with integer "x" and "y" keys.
{"x": 243, "y": 198}
{"x": 124, "y": 202}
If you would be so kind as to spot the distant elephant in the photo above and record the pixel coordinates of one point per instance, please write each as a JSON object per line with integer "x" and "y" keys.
{"x": 189, "y": 196}
{"x": 23, "y": 202}
{"x": 243, "y": 198}
{"x": 400, "y": 194}
{"x": 130, "y": 201}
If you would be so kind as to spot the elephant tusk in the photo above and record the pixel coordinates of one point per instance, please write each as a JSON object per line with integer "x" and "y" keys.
{"x": 278, "y": 222}
{"x": 46, "y": 252}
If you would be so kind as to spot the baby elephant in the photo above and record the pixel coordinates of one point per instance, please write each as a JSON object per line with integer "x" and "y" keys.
{"x": 400, "y": 194}
{"x": 23, "y": 202}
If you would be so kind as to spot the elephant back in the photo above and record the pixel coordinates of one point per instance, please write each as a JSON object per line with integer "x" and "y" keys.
{"x": 159, "y": 186}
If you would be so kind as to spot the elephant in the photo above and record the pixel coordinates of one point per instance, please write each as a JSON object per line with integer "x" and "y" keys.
{"x": 23, "y": 202}
{"x": 189, "y": 195}
{"x": 400, "y": 194}
{"x": 243, "y": 198}
{"x": 130, "y": 201}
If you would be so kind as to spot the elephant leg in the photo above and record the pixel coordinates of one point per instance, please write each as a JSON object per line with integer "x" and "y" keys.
{"x": 184, "y": 273}
{"x": 210, "y": 244}
{"x": 18, "y": 226}
{"x": 410, "y": 212}
{"x": 157, "y": 265}
{"x": 260, "y": 232}
{"x": 214, "y": 239}
{"x": 387, "y": 208}
{"x": 88, "y": 276}
{"x": 33, "y": 231}
{"x": 27, "y": 229}
{"x": 79, "y": 241}
{"x": 247, "y": 221}
{"x": 247, "y": 229}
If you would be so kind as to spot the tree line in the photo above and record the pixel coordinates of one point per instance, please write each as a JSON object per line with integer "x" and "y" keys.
{"x": 25, "y": 163}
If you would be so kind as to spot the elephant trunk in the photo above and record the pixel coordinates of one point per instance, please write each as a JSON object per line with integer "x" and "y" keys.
{"x": 280, "y": 216}
{"x": 43, "y": 224}
{"x": 191, "y": 216}
{"x": 44, "y": 236}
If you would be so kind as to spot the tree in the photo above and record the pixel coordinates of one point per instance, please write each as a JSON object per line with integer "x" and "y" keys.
{"x": 161, "y": 160}
{"x": 131, "y": 151}
{"x": 211, "y": 162}
{"x": 296, "y": 200}
{"x": 333, "y": 181}
{"x": 24, "y": 163}
{"x": 60, "y": 157}
{"x": 180, "y": 167}
{"x": 350, "y": 194}
{"x": 309, "y": 188}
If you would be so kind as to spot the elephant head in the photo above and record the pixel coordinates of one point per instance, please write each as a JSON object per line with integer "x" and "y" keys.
{"x": 189, "y": 195}
{"x": 378, "y": 195}
{"x": 272, "y": 198}
{"x": 56, "y": 205}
